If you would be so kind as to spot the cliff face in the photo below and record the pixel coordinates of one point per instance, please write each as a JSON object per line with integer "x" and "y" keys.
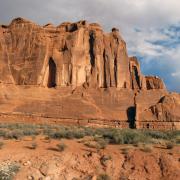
{"x": 73, "y": 55}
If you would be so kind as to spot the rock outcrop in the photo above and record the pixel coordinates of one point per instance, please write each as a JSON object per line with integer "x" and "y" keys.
{"x": 71, "y": 54}
{"x": 165, "y": 114}
{"x": 90, "y": 66}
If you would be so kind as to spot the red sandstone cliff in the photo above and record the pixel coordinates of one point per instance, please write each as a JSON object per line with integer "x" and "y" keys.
{"x": 71, "y": 56}
{"x": 76, "y": 53}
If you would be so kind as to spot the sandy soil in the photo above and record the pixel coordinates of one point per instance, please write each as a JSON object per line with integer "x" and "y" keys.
{"x": 78, "y": 161}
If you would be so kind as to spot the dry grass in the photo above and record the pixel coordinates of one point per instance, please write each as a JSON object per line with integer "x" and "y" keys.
{"x": 8, "y": 170}
{"x": 147, "y": 148}
{"x": 102, "y": 136}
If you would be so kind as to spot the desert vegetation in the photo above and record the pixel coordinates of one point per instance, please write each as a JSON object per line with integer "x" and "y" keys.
{"x": 102, "y": 136}
{"x": 61, "y": 147}
{"x": 43, "y": 146}
{"x": 112, "y": 136}
{"x": 8, "y": 170}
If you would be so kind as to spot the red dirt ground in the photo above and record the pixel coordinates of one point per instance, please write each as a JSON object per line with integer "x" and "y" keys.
{"x": 78, "y": 161}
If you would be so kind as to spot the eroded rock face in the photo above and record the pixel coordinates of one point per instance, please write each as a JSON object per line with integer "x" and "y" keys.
{"x": 164, "y": 114}
{"x": 76, "y": 71}
{"x": 74, "y": 53}
{"x": 138, "y": 80}
{"x": 71, "y": 54}
{"x": 154, "y": 82}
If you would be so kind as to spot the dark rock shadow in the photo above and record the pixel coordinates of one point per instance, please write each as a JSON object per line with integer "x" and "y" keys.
{"x": 131, "y": 113}
{"x": 53, "y": 149}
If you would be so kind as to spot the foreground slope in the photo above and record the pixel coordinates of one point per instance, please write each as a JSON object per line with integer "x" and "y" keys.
{"x": 78, "y": 161}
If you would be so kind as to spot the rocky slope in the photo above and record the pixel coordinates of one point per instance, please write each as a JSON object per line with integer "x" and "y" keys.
{"x": 77, "y": 161}
{"x": 76, "y": 72}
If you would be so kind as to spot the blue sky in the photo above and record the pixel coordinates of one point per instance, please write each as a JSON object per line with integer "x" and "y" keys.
{"x": 151, "y": 28}
{"x": 159, "y": 53}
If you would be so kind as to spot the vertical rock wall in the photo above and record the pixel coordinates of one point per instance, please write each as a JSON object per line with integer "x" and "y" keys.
{"x": 82, "y": 54}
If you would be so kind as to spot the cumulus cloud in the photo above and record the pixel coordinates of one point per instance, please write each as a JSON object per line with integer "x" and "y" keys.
{"x": 176, "y": 74}
{"x": 151, "y": 28}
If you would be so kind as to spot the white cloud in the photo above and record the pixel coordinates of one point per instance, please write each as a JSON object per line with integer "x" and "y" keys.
{"x": 176, "y": 74}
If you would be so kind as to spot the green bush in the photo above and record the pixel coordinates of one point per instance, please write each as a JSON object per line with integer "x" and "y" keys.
{"x": 125, "y": 136}
{"x": 103, "y": 177}
{"x": 30, "y": 132}
{"x": 33, "y": 145}
{"x": 155, "y": 134}
{"x": 1, "y": 144}
{"x": 177, "y": 140}
{"x": 2, "y": 133}
{"x": 107, "y": 135}
{"x": 15, "y": 134}
{"x": 90, "y": 145}
{"x": 101, "y": 143}
{"x": 169, "y": 145}
{"x": 61, "y": 147}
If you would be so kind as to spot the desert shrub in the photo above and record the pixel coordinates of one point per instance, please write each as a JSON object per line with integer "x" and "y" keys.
{"x": 91, "y": 144}
{"x": 15, "y": 134}
{"x": 155, "y": 134}
{"x": 146, "y": 148}
{"x": 89, "y": 131}
{"x": 123, "y": 177}
{"x": 47, "y": 139}
{"x": 61, "y": 147}
{"x": 30, "y": 132}
{"x": 125, "y": 150}
{"x": 177, "y": 140}
{"x": 137, "y": 144}
{"x": 101, "y": 142}
{"x": 104, "y": 159}
{"x": 33, "y": 145}
{"x": 132, "y": 137}
{"x": 48, "y": 132}
{"x": 97, "y": 143}
{"x": 2, "y": 133}
{"x": 110, "y": 135}
{"x": 20, "y": 126}
{"x": 173, "y": 134}
{"x": 68, "y": 133}
{"x": 51, "y": 134}
{"x": 114, "y": 138}
{"x": 125, "y": 136}
{"x": 169, "y": 145}
{"x": 8, "y": 170}
{"x": 59, "y": 133}
{"x": 103, "y": 177}
{"x": 1, "y": 144}
{"x": 79, "y": 134}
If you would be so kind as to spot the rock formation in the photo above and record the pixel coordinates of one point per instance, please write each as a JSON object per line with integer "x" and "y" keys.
{"x": 77, "y": 73}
